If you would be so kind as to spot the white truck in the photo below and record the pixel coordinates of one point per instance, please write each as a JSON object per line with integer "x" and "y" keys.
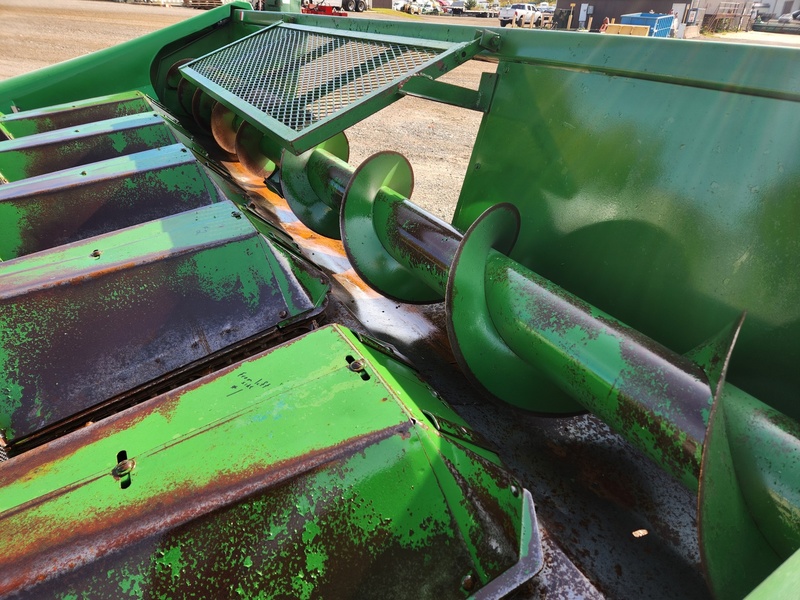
{"x": 520, "y": 14}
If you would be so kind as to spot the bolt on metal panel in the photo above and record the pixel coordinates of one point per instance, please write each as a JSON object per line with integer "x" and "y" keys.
{"x": 322, "y": 481}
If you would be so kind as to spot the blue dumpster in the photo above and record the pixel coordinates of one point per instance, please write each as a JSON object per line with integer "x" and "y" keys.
{"x": 659, "y": 24}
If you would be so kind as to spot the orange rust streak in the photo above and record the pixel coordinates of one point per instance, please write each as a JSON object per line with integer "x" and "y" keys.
{"x": 355, "y": 286}
{"x": 52, "y": 550}
{"x": 369, "y": 306}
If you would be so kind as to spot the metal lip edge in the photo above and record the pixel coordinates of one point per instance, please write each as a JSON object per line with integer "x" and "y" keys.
{"x": 362, "y": 36}
{"x": 86, "y": 130}
{"x": 281, "y": 22}
{"x": 531, "y": 558}
{"x": 50, "y": 265}
{"x": 443, "y": 32}
{"x": 117, "y": 167}
{"x": 675, "y": 62}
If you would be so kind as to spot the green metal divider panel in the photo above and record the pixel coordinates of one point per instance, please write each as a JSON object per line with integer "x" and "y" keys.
{"x": 30, "y": 122}
{"x": 66, "y": 206}
{"x": 303, "y": 84}
{"x": 307, "y": 471}
{"x": 91, "y": 326}
{"x": 59, "y": 149}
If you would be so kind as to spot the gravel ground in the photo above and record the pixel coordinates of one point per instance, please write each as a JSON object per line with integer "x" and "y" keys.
{"x": 39, "y": 33}
{"x": 437, "y": 139}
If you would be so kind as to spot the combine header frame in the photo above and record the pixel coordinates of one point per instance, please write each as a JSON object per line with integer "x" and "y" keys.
{"x": 611, "y": 338}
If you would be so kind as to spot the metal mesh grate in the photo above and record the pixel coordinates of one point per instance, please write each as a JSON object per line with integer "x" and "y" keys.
{"x": 300, "y": 78}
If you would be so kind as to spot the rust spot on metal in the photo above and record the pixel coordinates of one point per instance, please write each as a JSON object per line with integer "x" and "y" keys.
{"x": 56, "y": 552}
{"x": 495, "y": 536}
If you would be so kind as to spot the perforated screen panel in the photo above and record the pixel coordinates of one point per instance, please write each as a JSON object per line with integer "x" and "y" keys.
{"x": 300, "y": 77}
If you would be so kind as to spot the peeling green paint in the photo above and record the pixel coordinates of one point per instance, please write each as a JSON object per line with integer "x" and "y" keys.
{"x": 330, "y": 524}
{"x": 12, "y": 222}
{"x": 172, "y": 560}
{"x": 220, "y": 277}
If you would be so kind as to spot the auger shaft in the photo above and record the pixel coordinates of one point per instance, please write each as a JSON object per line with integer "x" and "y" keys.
{"x": 418, "y": 241}
{"x": 659, "y": 400}
{"x": 535, "y": 345}
{"x": 328, "y": 176}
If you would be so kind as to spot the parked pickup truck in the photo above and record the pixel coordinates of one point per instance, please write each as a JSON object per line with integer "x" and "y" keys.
{"x": 521, "y": 14}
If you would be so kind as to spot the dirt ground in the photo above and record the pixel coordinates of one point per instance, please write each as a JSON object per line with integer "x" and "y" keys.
{"x": 437, "y": 139}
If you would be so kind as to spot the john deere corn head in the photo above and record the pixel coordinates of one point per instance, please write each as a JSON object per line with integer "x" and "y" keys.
{"x": 233, "y": 365}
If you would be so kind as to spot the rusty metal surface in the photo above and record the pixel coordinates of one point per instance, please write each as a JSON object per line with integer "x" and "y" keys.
{"x": 359, "y": 510}
{"x": 54, "y": 209}
{"x": 629, "y": 528}
{"x": 177, "y": 290}
{"x": 592, "y": 489}
{"x": 655, "y": 397}
{"x": 424, "y": 243}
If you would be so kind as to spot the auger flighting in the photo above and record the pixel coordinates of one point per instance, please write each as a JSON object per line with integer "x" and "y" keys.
{"x": 533, "y": 344}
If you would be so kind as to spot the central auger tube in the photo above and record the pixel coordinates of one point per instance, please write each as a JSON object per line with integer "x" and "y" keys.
{"x": 524, "y": 339}
{"x": 533, "y": 344}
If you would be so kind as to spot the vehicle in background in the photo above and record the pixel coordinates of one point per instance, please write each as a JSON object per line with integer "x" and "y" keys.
{"x": 431, "y": 7}
{"x": 350, "y": 5}
{"x": 520, "y": 14}
{"x": 790, "y": 17}
{"x": 333, "y": 7}
{"x": 483, "y": 9}
{"x": 422, "y": 7}
{"x": 323, "y": 9}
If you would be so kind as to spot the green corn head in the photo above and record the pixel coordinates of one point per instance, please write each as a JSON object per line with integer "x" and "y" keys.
{"x": 234, "y": 365}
